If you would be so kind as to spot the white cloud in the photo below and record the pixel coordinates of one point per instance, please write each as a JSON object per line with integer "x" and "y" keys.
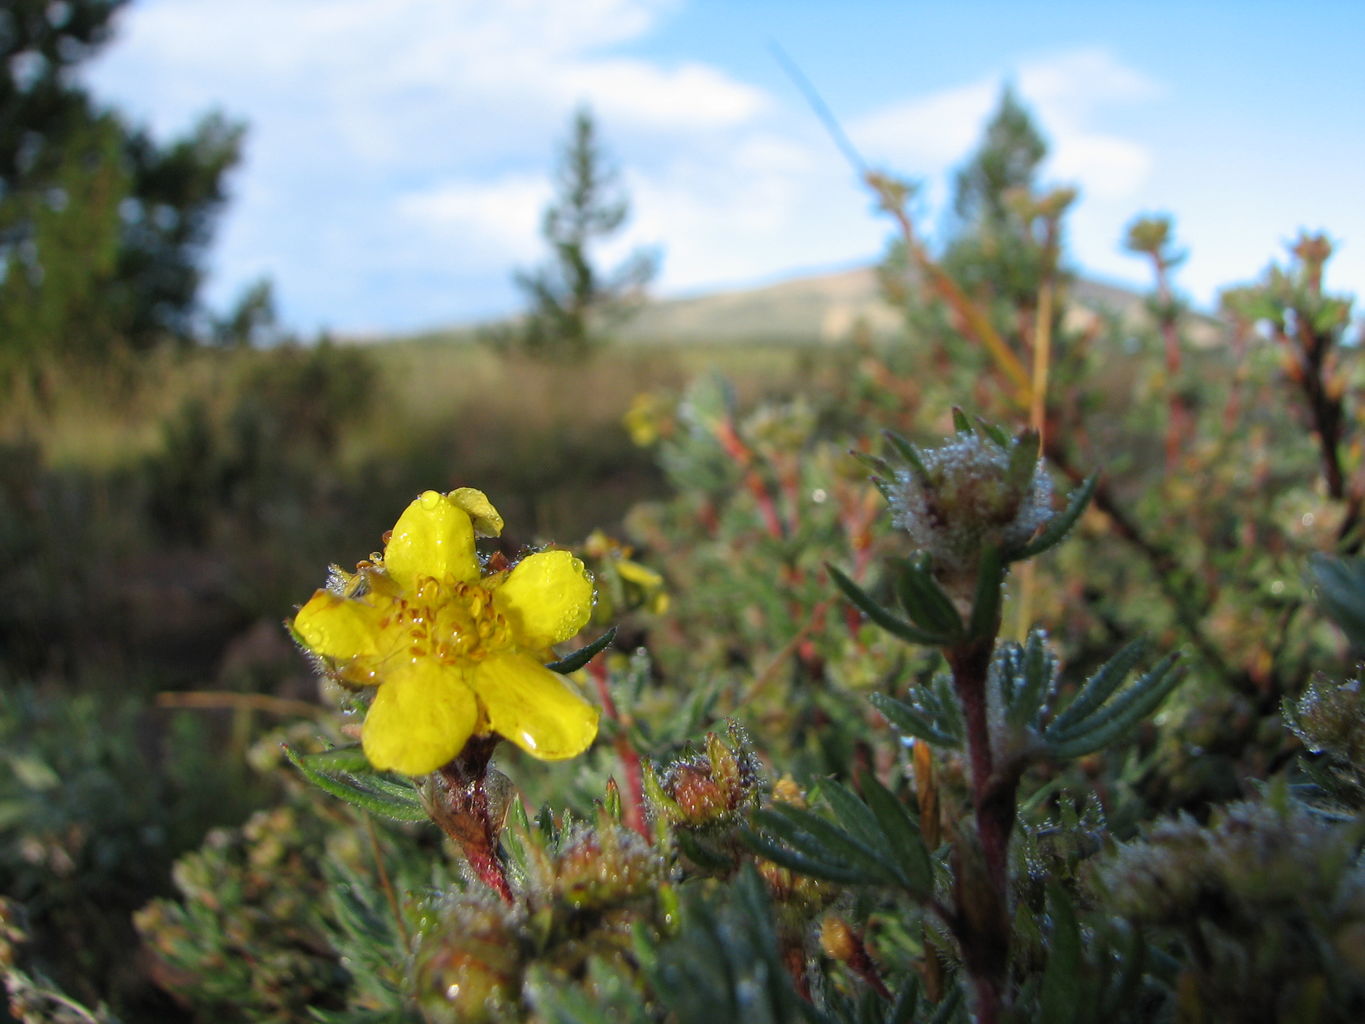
{"x": 928, "y": 135}
{"x": 495, "y": 220}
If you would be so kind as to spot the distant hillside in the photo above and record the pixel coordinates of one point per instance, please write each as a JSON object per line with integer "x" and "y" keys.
{"x": 826, "y": 308}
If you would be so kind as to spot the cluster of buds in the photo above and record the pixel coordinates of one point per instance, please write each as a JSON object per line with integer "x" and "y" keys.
{"x": 469, "y": 968}
{"x": 706, "y": 791}
{"x": 605, "y": 867}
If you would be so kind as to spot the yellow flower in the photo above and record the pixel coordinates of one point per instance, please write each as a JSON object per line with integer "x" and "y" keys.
{"x": 455, "y": 652}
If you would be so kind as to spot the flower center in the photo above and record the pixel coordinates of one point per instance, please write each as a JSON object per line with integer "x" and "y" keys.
{"x": 451, "y": 622}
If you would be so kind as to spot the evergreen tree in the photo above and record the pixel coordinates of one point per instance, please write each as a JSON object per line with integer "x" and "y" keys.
{"x": 994, "y": 252}
{"x": 102, "y": 230}
{"x": 572, "y": 302}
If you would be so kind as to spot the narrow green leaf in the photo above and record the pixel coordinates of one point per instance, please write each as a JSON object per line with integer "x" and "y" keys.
{"x": 339, "y": 759}
{"x": 948, "y": 1008}
{"x": 855, "y": 816}
{"x": 962, "y": 424}
{"x": 1061, "y": 995}
{"x": 1062, "y": 523}
{"x": 361, "y": 793}
{"x": 906, "y": 719}
{"x": 577, "y": 659}
{"x": 947, "y": 708}
{"x": 784, "y": 856}
{"x": 701, "y": 853}
{"x": 925, "y": 602}
{"x": 1108, "y": 678}
{"x": 893, "y": 624}
{"x": 1133, "y": 961}
{"x": 1038, "y": 670}
{"x": 810, "y": 834}
{"x": 1123, "y": 713}
{"x": 907, "y": 1001}
{"x": 990, "y": 579}
{"x": 903, "y": 834}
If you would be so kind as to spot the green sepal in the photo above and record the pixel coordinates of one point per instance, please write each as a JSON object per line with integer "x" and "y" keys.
{"x": 908, "y": 453}
{"x": 995, "y": 432}
{"x": 1023, "y": 460}
{"x": 892, "y": 623}
{"x": 990, "y": 580}
{"x": 962, "y": 423}
{"x": 577, "y": 659}
{"x": 1061, "y": 524}
{"x": 1122, "y": 713}
{"x": 925, "y": 602}
{"x": 878, "y": 465}
{"x": 908, "y": 720}
{"x": 372, "y": 793}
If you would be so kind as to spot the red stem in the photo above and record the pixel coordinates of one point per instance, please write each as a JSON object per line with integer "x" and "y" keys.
{"x": 634, "y": 795}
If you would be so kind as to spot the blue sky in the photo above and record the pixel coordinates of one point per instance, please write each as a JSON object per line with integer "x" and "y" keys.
{"x": 399, "y": 151}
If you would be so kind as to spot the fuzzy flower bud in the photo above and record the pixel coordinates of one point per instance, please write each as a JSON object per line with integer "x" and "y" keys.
{"x": 973, "y": 493}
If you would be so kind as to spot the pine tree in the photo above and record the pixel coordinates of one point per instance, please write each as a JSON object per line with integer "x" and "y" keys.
{"x": 572, "y": 302}
{"x": 102, "y": 229}
{"x": 992, "y": 252}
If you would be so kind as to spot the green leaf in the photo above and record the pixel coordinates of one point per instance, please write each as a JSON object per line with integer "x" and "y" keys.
{"x": 907, "y": 720}
{"x": 1061, "y": 524}
{"x": 1341, "y": 591}
{"x": 962, "y": 424}
{"x": 822, "y": 841}
{"x": 803, "y": 864}
{"x": 374, "y": 794}
{"x": 1037, "y": 670}
{"x": 1132, "y": 961}
{"x": 990, "y": 579}
{"x": 1098, "y": 687}
{"x": 907, "y": 1001}
{"x": 890, "y": 622}
{"x": 1061, "y": 995}
{"x": 902, "y": 833}
{"x": 925, "y": 602}
{"x": 853, "y": 814}
{"x": 1122, "y": 713}
{"x": 350, "y": 759}
{"x": 577, "y": 659}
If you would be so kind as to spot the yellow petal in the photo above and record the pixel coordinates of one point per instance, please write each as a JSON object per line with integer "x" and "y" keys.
{"x": 487, "y": 522}
{"x": 547, "y": 598}
{"x": 534, "y": 708}
{"x": 339, "y": 627}
{"x": 634, "y": 572}
{"x": 421, "y": 718}
{"x": 433, "y": 537}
